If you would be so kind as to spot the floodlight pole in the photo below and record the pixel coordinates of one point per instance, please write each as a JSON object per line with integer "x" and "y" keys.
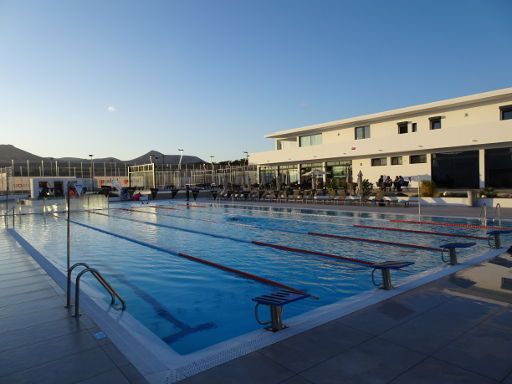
{"x": 92, "y": 174}
{"x": 419, "y": 200}
{"x": 68, "y": 250}
{"x": 180, "y": 150}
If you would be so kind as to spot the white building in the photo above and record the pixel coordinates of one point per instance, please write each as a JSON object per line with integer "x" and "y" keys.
{"x": 465, "y": 142}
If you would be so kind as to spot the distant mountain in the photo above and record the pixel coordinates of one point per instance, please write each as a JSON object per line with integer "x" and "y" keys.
{"x": 159, "y": 158}
{"x": 10, "y": 152}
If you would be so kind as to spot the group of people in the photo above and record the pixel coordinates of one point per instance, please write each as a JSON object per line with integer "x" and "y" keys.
{"x": 387, "y": 184}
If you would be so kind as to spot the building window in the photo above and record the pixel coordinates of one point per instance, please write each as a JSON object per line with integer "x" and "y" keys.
{"x": 396, "y": 160}
{"x": 307, "y": 141}
{"x": 417, "y": 159}
{"x": 506, "y": 112}
{"x": 362, "y": 132}
{"x": 379, "y": 162}
{"x": 279, "y": 145}
{"x": 498, "y": 168}
{"x": 435, "y": 122}
{"x": 456, "y": 169}
{"x": 414, "y": 127}
{"x": 402, "y": 128}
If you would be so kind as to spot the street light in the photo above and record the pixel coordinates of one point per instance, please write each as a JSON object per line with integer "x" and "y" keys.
{"x": 181, "y": 157}
{"x": 92, "y": 173}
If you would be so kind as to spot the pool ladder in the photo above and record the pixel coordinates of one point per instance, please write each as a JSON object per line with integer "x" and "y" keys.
{"x": 483, "y": 215}
{"x": 99, "y": 277}
{"x": 497, "y": 214}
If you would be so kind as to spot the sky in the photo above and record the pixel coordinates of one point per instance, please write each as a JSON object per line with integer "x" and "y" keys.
{"x": 120, "y": 78}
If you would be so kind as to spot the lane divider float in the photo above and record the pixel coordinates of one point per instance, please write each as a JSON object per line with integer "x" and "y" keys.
{"x": 225, "y": 268}
{"x": 444, "y": 224}
{"x": 316, "y": 253}
{"x": 421, "y": 232}
{"x": 350, "y": 238}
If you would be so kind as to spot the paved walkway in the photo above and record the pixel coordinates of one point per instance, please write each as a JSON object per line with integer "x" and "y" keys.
{"x": 455, "y": 330}
{"x": 39, "y": 340}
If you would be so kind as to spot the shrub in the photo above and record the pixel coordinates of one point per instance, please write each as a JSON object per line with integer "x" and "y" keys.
{"x": 487, "y": 192}
{"x": 427, "y": 188}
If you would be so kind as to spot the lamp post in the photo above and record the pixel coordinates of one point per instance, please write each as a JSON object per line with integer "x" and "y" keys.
{"x": 180, "y": 150}
{"x": 12, "y": 175}
{"x": 92, "y": 173}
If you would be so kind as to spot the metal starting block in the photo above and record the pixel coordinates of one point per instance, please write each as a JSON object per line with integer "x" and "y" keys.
{"x": 496, "y": 236}
{"x": 276, "y": 301}
{"x": 386, "y": 267}
{"x": 452, "y": 247}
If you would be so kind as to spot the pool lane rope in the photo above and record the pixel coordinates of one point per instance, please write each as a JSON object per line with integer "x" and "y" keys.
{"x": 421, "y": 232}
{"x": 364, "y": 240}
{"x": 227, "y": 237}
{"x": 316, "y": 253}
{"x": 225, "y": 268}
{"x": 445, "y": 224}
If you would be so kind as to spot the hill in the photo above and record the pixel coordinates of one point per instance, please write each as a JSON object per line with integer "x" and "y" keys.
{"x": 10, "y": 152}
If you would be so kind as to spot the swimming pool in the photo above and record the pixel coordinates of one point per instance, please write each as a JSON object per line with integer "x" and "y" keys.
{"x": 192, "y": 306}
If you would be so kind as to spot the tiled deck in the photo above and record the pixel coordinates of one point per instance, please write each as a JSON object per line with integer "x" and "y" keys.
{"x": 39, "y": 340}
{"x": 455, "y": 330}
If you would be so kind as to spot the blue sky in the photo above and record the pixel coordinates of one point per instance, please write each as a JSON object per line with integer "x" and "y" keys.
{"x": 119, "y": 78}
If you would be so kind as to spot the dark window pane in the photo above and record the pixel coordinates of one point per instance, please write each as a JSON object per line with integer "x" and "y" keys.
{"x": 414, "y": 127}
{"x": 506, "y": 112}
{"x": 397, "y": 160}
{"x": 402, "y": 128}
{"x": 378, "y": 162}
{"x": 362, "y": 132}
{"x": 498, "y": 168}
{"x": 416, "y": 159}
{"x": 455, "y": 169}
{"x": 435, "y": 123}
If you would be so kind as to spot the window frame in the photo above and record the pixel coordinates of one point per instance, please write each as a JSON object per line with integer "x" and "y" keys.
{"x": 401, "y": 125}
{"x": 381, "y": 160}
{"x": 418, "y": 157}
{"x": 397, "y": 157}
{"x": 310, "y": 140}
{"x": 434, "y": 120}
{"x": 414, "y": 127}
{"x": 366, "y": 132}
{"x": 505, "y": 109}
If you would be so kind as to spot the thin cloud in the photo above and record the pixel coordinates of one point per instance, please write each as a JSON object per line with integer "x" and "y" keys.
{"x": 111, "y": 109}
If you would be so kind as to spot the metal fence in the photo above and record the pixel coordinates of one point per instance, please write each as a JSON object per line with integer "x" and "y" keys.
{"x": 201, "y": 175}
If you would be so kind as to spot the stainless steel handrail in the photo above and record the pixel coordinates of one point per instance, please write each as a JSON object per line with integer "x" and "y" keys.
{"x": 99, "y": 277}
{"x": 497, "y": 213}
{"x": 483, "y": 214}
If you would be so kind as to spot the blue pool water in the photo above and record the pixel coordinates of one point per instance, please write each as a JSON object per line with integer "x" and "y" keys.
{"x": 192, "y": 306}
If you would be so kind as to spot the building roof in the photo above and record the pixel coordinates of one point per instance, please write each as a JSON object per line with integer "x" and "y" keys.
{"x": 397, "y": 113}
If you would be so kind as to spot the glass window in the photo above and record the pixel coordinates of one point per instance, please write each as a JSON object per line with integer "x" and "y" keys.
{"x": 379, "y": 161}
{"x": 435, "y": 123}
{"x": 506, "y": 112}
{"x": 414, "y": 127}
{"x": 306, "y": 141}
{"x": 396, "y": 160}
{"x": 402, "y": 128}
{"x": 416, "y": 159}
{"x": 362, "y": 132}
{"x": 455, "y": 169}
{"x": 498, "y": 168}
{"x": 279, "y": 145}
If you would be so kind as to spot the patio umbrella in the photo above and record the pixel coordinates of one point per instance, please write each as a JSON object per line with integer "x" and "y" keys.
{"x": 314, "y": 173}
{"x": 360, "y": 183}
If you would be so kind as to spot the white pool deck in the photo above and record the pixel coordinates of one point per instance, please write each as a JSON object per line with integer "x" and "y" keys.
{"x": 456, "y": 329}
